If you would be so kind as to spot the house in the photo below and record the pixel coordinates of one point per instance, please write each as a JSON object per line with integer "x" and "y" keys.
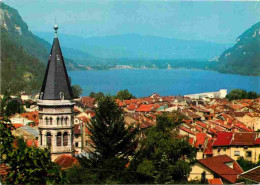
{"x": 252, "y": 175}
{"x": 26, "y": 132}
{"x": 88, "y": 101}
{"x": 239, "y": 144}
{"x": 222, "y": 166}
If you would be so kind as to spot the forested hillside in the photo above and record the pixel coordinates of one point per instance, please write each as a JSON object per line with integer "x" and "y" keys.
{"x": 24, "y": 56}
{"x": 244, "y": 56}
{"x": 19, "y": 70}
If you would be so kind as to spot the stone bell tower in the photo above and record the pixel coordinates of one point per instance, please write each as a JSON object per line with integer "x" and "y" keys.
{"x": 56, "y": 105}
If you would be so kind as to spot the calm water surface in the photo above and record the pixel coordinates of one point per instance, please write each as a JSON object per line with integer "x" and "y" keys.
{"x": 144, "y": 82}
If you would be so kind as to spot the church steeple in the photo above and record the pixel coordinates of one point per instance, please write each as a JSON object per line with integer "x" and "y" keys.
{"x": 56, "y": 83}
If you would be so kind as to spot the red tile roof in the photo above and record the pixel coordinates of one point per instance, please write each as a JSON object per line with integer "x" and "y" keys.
{"x": 32, "y": 143}
{"x": 201, "y": 124}
{"x": 120, "y": 103}
{"x": 242, "y": 126}
{"x": 223, "y": 139}
{"x": 145, "y": 108}
{"x": 199, "y": 129}
{"x": 257, "y": 141}
{"x": 252, "y": 174}
{"x": 87, "y": 101}
{"x": 17, "y": 125}
{"x": 200, "y": 139}
{"x": 66, "y": 161}
{"x": 218, "y": 166}
{"x": 209, "y": 149}
{"x": 132, "y": 106}
{"x": 243, "y": 138}
{"x": 187, "y": 130}
{"x": 132, "y": 101}
{"x": 33, "y": 116}
{"x": 215, "y": 181}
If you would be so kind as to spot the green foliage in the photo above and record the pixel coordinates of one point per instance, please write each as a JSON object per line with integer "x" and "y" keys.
{"x": 80, "y": 175}
{"x": 236, "y": 94}
{"x": 76, "y": 90}
{"x": 165, "y": 152}
{"x": 243, "y": 58}
{"x": 98, "y": 95}
{"x": 247, "y": 165}
{"x": 108, "y": 132}
{"x": 6, "y": 139}
{"x": 113, "y": 143}
{"x": 28, "y": 165}
{"x": 31, "y": 164}
{"x": 124, "y": 95}
{"x": 13, "y": 107}
{"x": 19, "y": 71}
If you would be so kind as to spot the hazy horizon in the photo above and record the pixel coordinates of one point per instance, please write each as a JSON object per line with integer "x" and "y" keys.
{"x": 212, "y": 21}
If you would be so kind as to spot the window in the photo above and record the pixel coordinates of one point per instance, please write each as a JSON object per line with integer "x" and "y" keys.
{"x": 59, "y": 139}
{"x": 50, "y": 121}
{"x": 46, "y": 121}
{"x": 61, "y": 95}
{"x": 66, "y": 120}
{"x": 77, "y": 144}
{"x": 48, "y": 135}
{"x": 61, "y": 120}
{"x": 248, "y": 154}
{"x": 58, "y": 121}
{"x": 224, "y": 149}
{"x": 65, "y": 139}
{"x": 236, "y": 153}
{"x": 219, "y": 149}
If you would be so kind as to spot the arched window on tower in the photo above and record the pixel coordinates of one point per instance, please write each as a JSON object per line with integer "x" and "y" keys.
{"x": 61, "y": 95}
{"x": 59, "y": 139}
{"x": 48, "y": 140}
{"x": 66, "y": 120}
{"x": 61, "y": 120}
{"x": 46, "y": 121}
{"x": 65, "y": 139}
{"x": 58, "y": 121}
{"x": 50, "y": 120}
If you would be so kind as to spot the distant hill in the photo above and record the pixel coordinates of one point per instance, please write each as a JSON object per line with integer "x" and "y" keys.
{"x": 19, "y": 70}
{"x": 244, "y": 56}
{"x": 134, "y": 46}
{"x": 19, "y": 34}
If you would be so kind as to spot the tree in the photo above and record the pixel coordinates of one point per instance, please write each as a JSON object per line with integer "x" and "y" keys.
{"x": 247, "y": 165}
{"x": 97, "y": 96}
{"x": 124, "y": 95}
{"x": 236, "y": 94}
{"x": 13, "y": 106}
{"x": 112, "y": 140}
{"x": 76, "y": 90}
{"x": 164, "y": 151}
{"x": 26, "y": 164}
{"x": 252, "y": 95}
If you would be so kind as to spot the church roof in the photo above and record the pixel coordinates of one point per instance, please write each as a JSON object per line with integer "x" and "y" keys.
{"x": 56, "y": 83}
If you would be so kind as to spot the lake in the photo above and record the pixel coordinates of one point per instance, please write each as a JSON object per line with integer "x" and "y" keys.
{"x": 144, "y": 82}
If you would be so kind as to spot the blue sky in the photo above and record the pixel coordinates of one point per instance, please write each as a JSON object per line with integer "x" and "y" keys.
{"x": 191, "y": 20}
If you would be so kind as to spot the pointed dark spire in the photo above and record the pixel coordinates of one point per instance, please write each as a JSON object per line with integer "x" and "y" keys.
{"x": 56, "y": 84}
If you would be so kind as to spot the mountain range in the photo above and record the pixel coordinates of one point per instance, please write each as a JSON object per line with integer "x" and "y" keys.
{"x": 24, "y": 54}
{"x": 135, "y": 46}
{"x": 244, "y": 56}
